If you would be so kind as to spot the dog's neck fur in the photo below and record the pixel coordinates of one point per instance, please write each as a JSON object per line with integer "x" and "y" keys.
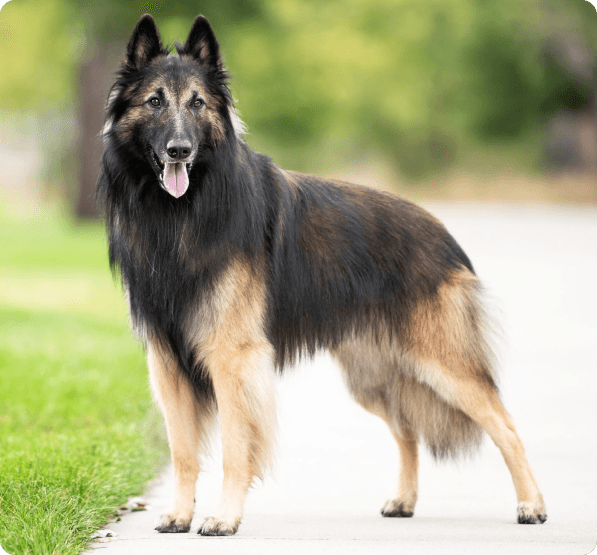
{"x": 169, "y": 250}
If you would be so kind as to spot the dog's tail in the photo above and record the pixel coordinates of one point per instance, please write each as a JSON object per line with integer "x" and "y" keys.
{"x": 445, "y": 430}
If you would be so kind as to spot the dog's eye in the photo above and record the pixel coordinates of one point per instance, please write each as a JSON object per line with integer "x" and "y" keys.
{"x": 155, "y": 101}
{"x": 198, "y": 103}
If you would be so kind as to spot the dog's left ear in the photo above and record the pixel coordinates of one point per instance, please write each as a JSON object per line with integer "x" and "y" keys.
{"x": 202, "y": 44}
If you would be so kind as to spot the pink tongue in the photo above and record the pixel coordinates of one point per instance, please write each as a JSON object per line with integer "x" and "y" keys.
{"x": 176, "y": 179}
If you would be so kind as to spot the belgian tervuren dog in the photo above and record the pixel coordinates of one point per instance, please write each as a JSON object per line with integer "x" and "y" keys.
{"x": 234, "y": 268}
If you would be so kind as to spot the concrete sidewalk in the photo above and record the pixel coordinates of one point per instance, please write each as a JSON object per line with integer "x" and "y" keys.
{"x": 336, "y": 466}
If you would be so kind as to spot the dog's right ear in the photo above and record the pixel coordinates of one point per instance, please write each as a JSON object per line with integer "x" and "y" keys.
{"x": 145, "y": 43}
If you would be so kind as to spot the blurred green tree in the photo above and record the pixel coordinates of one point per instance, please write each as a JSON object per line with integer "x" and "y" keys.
{"x": 319, "y": 83}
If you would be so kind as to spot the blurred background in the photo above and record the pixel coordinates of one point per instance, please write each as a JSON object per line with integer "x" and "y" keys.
{"x": 450, "y": 99}
{"x": 487, "y": 101}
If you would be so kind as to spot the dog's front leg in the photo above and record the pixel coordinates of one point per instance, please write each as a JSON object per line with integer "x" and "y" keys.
{"x": 244, "y": 388}
{"x": 189, "y": 415}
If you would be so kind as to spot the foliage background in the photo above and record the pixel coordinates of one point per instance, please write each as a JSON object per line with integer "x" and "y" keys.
{"x": 422, "y": 88}
{"x": 424, "y": 85}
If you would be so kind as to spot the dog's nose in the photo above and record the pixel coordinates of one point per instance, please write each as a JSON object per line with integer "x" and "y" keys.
{"x": 178, "y": 150}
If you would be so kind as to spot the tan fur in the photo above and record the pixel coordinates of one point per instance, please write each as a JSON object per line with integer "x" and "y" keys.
{"x": 228, "y": 334}
{"x": 451, "y": 330}
{"x": 188, "y": 424}
{"x": 483, "y": 406}
{"x": 404, "y": 503}
{"x": 176, "y": 102}
{"x": 386, "y": 383}
{"x": 409, "y": 460}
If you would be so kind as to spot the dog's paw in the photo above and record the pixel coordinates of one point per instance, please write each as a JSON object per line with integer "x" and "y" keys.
{"x": 214, "y": 526}
{"x": 173, "y": 523}
{"x": 531, "y": 513}
{"x": 398, "y": 508}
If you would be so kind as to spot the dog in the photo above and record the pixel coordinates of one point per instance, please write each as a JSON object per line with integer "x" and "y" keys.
{"x": 235, "y": 268}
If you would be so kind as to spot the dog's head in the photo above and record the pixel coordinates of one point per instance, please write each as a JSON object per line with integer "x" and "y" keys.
{"x": 169, "y": 111}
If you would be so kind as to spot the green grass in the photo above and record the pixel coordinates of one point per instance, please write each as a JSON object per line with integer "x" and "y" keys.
{"x": 78, "y": 431}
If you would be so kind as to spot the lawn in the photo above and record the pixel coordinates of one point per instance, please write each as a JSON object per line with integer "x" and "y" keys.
{"x": 79, "y": 434}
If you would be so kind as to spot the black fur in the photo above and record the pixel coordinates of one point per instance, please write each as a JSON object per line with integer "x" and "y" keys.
{"x": 336, "y": 257}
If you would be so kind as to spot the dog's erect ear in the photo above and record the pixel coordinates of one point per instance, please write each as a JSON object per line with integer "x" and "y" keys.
{"x": 202, "y": 44}
{"x": 145, "y": 43}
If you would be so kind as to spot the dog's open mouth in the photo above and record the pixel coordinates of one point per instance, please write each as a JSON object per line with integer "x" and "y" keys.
{"x": 174, "y": 176}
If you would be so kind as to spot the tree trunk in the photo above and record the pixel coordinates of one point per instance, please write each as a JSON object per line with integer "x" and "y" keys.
{"x": 96, "y": 76}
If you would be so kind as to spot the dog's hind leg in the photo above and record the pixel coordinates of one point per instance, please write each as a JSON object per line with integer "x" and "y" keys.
{"x": 188, "y": 416}
{"x": 366, "y": 376}
{"x": 481, "y": 403}
{"x": 404, "y": 503}
{"x": 447, "y": 338}
{"x": 243, "y": 379}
